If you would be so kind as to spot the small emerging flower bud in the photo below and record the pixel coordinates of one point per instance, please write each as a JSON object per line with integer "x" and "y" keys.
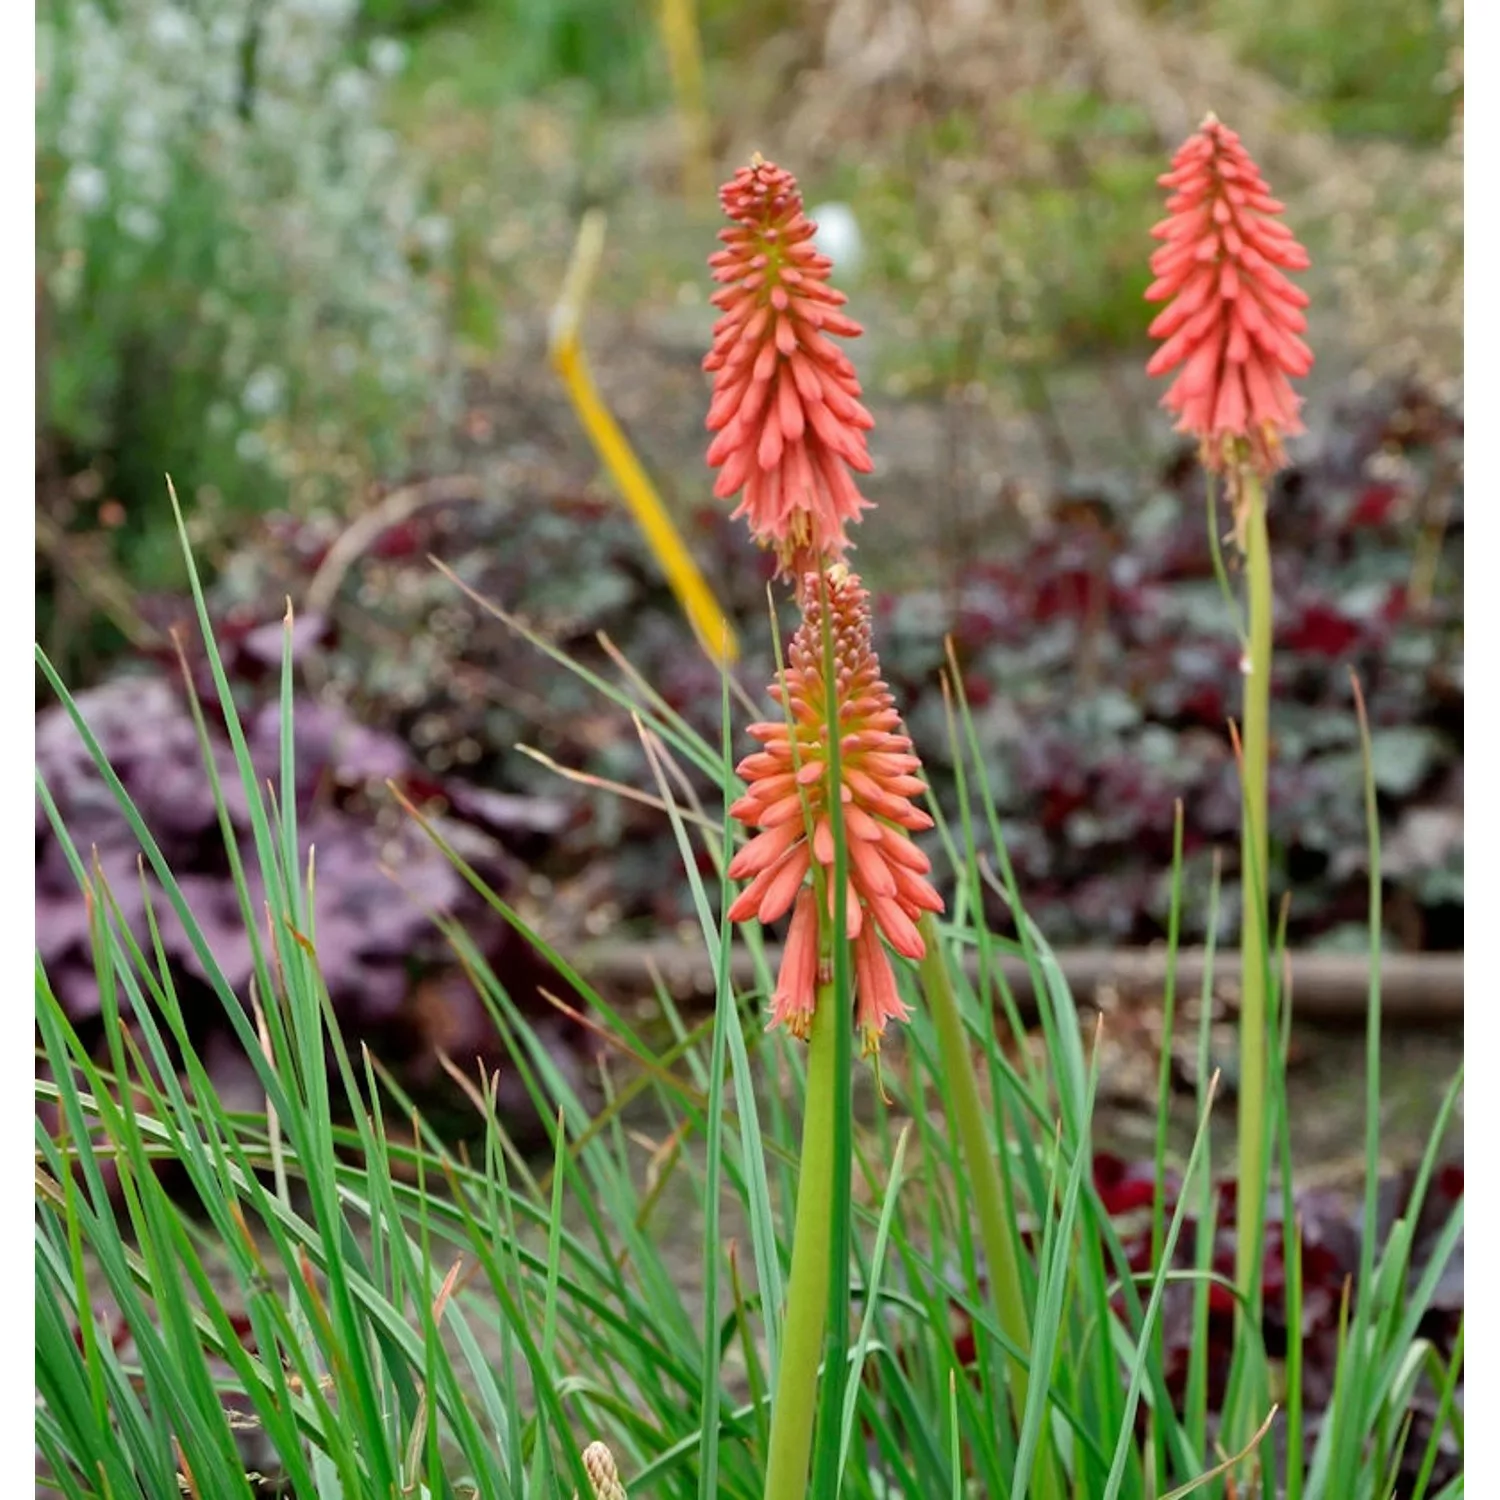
{"x": 789, "y": 800}
{"x": 786, "y": 406}
{"x": 1232, "y": 321}
{"x": 599, "y": 1465}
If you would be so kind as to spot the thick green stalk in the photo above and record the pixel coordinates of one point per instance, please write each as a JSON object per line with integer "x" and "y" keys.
{"x": 795, "y": 1403}
{"x": 984, "y": 1183}
{"x": 1250, "y": 1199}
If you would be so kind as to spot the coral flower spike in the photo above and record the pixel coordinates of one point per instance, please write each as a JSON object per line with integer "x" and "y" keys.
{"x": 1232, "y": 319}
{"x": 786, "y": 406}
{"x": 791, "y": 859}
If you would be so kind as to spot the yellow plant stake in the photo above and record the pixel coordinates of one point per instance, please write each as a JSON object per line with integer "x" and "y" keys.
{"x": 713, "y": 630}
{"x": 679, "y": 30}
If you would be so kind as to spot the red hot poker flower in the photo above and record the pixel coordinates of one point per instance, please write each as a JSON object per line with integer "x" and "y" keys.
{"x": 786, "y": 406}
{"x": 788, "y": 800}
{"x": 1233, "y": 319}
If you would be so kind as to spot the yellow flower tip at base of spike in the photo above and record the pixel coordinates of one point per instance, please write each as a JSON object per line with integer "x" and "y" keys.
{"x": 715, "y": 634}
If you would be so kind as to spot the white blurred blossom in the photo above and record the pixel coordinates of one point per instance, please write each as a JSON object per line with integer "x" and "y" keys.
{"x": 224, "y": 29}
{"x": 332, "y": 14}
{"x": 86, "y": 187}
{"x": 170, "y": 28}
{"x": 387, "y": 56}
{"x": 264, "y": 392}
{"x": 838, "y": 236}
{"x": 138, "y": 221}
{"x": 350, "y": 89}
{"x": 433, "y": 233}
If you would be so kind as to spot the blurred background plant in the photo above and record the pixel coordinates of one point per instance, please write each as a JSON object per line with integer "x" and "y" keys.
{"x": 242, "y": 277}
{"x": 1378, "y": 81}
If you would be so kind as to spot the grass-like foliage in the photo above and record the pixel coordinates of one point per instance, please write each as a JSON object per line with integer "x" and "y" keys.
{"x": 324, "y": 1297}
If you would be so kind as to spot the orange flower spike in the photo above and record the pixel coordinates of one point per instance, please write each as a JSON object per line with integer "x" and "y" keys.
{"x": 786, "y": 411}
{"x": 1232, "y": 321}
{"x": 788, "y": 801}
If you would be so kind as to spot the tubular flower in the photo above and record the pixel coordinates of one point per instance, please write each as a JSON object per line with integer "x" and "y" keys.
{"x": 790, "y": 861}
{"x": 1232, "y": 319}
{"x": 786, "y": 411}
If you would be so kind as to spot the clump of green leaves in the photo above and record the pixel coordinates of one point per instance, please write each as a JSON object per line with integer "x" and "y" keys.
{"x": 350, "y": 1304}
{"x": 1365, "y": 69}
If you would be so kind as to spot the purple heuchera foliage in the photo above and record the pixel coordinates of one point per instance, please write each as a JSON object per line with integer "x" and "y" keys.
{"x": 378, "y": 877}
{"x": 366, "y": 929}
{"x": 1096, "y": 652}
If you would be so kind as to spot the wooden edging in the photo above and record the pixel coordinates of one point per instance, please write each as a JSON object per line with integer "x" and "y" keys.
{"x": 1328, "y": 989}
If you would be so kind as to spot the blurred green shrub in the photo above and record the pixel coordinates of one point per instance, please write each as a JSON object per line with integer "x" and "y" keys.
{"x": 382, "y": 16}
{"x": 490, "y": 50}
{"x": 1366, "y": 67}
{"x": 240, "y": 278}
{"x": 1013, "y": 234}
{"x": 486, "y": 51}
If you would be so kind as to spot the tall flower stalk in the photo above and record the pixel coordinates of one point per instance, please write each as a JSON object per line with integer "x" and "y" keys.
{"x": 830, "y": 792}
{"x": 996, "y": 1227}
{"x": 1232, "y": 329}
{"x": 795, "y": 1401}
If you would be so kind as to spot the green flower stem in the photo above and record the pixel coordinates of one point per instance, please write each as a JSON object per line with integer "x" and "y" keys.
{"x": 1250, "y": 1199}
{"x": 795, "y": 1403}
{"x": 984, "y": 1183}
